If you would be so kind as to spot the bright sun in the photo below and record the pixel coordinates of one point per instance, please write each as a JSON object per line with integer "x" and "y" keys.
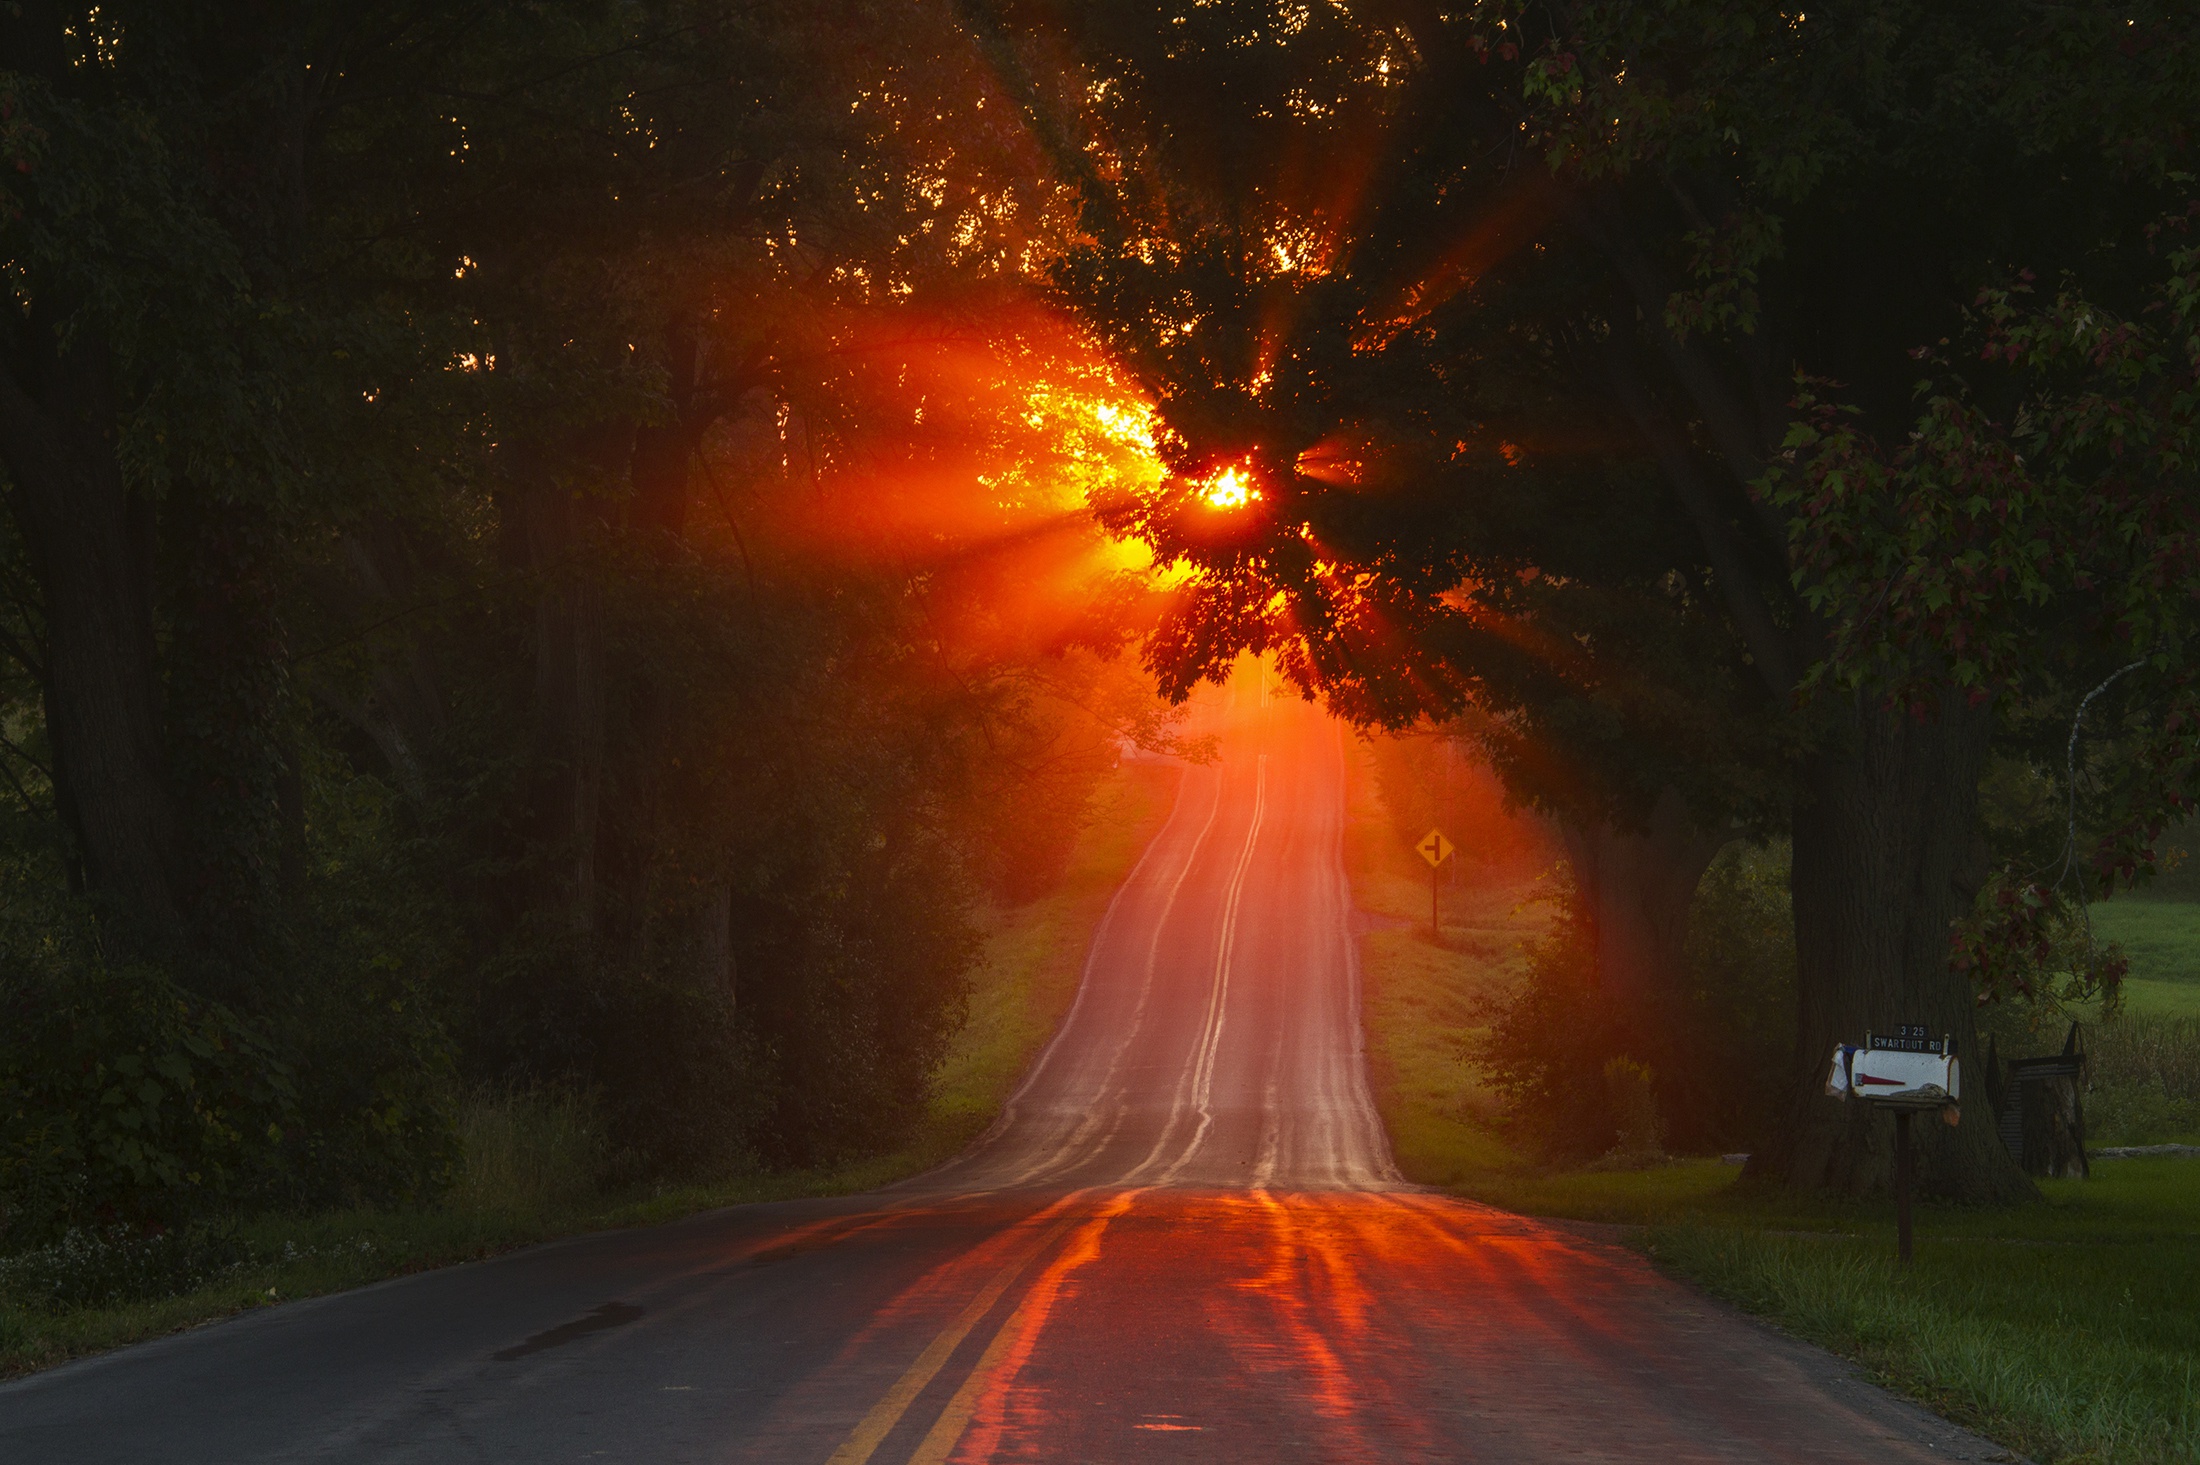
{"x": 1232, "y": 488}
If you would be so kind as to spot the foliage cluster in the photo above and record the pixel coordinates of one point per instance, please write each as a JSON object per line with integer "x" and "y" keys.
{"x": 1575, "y": 1078}
{"x": 2008, "y": 548}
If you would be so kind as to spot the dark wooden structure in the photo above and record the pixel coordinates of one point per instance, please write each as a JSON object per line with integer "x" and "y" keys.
{"x": 2039, "y": 1110}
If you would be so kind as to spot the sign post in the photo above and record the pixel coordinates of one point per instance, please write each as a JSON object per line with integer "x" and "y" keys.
{"x": 1907, "y": 1072}
{"x": 1435, "y": 849}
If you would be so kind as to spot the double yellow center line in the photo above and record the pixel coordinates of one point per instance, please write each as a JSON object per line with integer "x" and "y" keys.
{"x": 884, "y": 1415}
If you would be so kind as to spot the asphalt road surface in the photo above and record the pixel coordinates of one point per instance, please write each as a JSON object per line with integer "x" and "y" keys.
{"x": 1184, "y": 1241}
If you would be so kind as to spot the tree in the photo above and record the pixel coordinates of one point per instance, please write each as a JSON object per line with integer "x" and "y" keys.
{"x": 1661, "y": 211}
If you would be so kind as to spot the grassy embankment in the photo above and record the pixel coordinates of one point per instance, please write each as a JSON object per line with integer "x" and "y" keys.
{"x": 527, "y": 1174}
{"x": 2068, "y": 1329}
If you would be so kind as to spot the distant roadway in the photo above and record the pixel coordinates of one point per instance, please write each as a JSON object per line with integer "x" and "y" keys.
{"x": 1183, "y": 1241}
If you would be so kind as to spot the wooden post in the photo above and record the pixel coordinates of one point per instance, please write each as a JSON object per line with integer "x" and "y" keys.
{"x": 1902, "y": 1185}
{"x": 1435, "y": 907}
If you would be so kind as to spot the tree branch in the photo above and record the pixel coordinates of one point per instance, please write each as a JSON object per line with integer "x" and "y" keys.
{"x": 1768, "y": 647}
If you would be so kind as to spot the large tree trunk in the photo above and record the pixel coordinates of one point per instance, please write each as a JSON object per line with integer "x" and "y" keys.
{"x": 89, "y": 543}
{"x": 1885, "y": 839}
{"x": 569, "y": 694}
{"x": 1885, "y": 817}
{"x": 587, "y": 745}
{"x": 227, "y": 670}
{"x": 1637, "y": 886}
{"x": 399, "y": 708}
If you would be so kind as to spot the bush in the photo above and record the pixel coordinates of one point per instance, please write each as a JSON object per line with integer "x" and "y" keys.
{"x": 1548, "y": 1043}
{"x": 2140, "y": 1114}
{"x": 1720, "y": 1090}
{"x": 1631, "y": 1089}
{"x": 2132, "y": 1052}
{"x": 1699, "y": 1073}
{"x": 125, "y": 1100}
{"x": 128, "y": 1097}
{"x": 676, "y": 1082}
{"x": 376, "y": 1075}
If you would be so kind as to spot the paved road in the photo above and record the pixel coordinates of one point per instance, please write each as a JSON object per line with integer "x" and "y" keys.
{"x": 1183, "y": 1242}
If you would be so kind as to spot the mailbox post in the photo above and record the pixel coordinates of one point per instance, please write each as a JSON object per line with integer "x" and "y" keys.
{"x": 1903, "y": 1178}
{"x": 1908, "y": 1072}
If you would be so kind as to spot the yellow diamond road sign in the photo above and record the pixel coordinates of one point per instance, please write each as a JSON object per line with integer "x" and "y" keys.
{"x": 1434, "y": 847}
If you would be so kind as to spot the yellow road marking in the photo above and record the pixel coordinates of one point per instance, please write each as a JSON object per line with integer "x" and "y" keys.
{"x": 947, "y": 1431}
{"x": 885, "y": 1414}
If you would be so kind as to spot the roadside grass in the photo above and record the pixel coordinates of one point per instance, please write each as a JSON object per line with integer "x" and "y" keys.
{"x": 1421, "y": 1001}
{"x": 2068, "y": 1329}
{"x": 532, "y": 1162}
{"x": 1034, "y": 960}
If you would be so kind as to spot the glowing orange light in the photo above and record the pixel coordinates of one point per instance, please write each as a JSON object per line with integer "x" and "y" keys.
{"x": 1232, "y": 488}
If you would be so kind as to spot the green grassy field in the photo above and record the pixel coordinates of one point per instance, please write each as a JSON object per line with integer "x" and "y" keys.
{"x": 519, "y": 1186}
{"x": 2068, "y": 1329}
{"x": 2162, "y": 938}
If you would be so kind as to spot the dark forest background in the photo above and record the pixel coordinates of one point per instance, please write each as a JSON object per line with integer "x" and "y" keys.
{"x": 546, "y": 552}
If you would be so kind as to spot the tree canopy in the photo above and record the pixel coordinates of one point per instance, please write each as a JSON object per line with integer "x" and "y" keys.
{"x": 581, "y": 543}
{"x": 1518, "y": 324}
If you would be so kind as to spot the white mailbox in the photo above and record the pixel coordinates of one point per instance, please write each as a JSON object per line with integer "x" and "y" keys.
{"x": 1907, "y": 1070}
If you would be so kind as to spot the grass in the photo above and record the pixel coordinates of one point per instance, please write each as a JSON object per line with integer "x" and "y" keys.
{"x": 1421, "y": 1000}
{"x": 532, "y": 1162}
{"x": 2067, "y": 1329}
{"x": 1034, "y": 958}
{"x": 2162, "y": 938}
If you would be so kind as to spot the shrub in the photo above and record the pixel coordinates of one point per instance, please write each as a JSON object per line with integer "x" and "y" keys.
{"x": 675, "y": 1082}
{"x": 2132, "y": 1052}
{"x": 2140, "y": 1114}
{"x": 1631, "y": 1089}
{"x": 1546, "y": 1044}
{"x": 1699, "y": 1072}
{"x": 1720, "y": 1086}
{"x": 125, "y": 1100}
{"x": 375, "y": 1122}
